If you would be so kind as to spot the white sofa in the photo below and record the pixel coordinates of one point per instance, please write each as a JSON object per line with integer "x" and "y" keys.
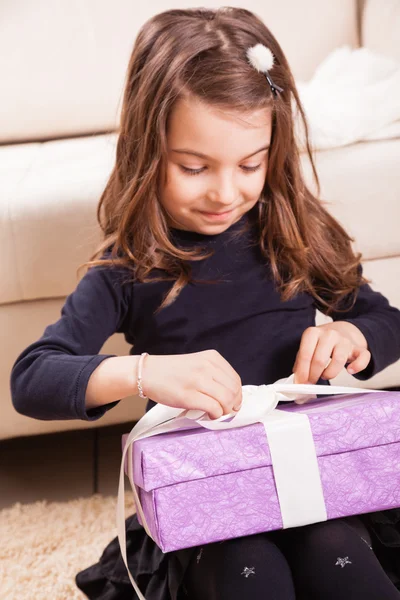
{"x": 60, "y": 101}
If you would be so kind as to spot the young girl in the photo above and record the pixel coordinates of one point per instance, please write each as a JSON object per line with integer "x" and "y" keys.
{"x": 215, "y": 257}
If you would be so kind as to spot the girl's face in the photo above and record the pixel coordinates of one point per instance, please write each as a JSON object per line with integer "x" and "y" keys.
{"x": 229, "y": 175}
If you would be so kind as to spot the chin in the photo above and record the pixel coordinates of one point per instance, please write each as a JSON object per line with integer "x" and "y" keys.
{"x": 210, "y": 227}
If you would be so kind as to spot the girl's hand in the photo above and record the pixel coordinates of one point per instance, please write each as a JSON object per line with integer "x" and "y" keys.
{"x": 201, "y": 380}
{"x": 326, "y": 349}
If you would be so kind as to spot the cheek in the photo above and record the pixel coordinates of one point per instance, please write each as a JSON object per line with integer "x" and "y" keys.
{"x": 263, "y": 177}
{"x": 255, "y": 183}
{"x": 183, "y": 186}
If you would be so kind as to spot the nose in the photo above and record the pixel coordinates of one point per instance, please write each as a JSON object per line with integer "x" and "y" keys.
{"x": 225, "y": 192}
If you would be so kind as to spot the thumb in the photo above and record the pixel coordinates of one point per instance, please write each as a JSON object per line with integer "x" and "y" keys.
{"x": 358, "y": 360}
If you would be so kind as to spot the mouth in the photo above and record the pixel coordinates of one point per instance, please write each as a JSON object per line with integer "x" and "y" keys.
{"x": 220, "y": 215}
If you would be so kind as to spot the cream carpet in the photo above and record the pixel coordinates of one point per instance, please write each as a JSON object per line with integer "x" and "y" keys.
{"x": 44, "y": 544}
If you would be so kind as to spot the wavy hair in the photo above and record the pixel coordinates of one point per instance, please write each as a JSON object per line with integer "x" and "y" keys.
{"x": 201, "y": 53}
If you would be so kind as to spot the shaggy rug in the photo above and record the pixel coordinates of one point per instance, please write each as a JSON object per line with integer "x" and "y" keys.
{"x": 44, "y": 544}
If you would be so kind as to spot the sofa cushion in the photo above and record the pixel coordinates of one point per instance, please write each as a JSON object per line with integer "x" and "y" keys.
{"x": 65, "y": 75}
{"x": 50, "y": 192}
{"x": 48, "y": 223}
{"x": 360, "y": 185}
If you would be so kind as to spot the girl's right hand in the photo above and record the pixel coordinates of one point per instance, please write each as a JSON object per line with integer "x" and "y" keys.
{"x": 200, "y": 380}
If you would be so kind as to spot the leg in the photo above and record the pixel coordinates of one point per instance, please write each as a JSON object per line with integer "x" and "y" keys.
{"x": 247, "y": 567}
{"x": 331, "y": 560}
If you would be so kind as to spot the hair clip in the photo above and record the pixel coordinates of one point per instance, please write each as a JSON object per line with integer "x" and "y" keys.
{"x": 262, "y": 59}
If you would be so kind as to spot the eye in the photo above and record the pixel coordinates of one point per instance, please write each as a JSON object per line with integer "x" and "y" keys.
{"x": 191, "y": 171}
{"x": 198, "y": 171}
{"x": 251, "y": 169}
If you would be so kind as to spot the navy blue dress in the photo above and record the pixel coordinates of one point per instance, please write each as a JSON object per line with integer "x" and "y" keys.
{"x": 240, "y": 315}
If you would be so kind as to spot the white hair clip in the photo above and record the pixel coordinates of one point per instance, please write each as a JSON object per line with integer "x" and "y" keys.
{"x": 262, "y": 59}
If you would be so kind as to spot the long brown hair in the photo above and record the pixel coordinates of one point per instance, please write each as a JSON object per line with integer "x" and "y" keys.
{"x": 201, "y": 53}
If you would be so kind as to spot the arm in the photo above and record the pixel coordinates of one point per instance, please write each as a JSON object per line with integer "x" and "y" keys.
{"x": 378, "y": 325}
{"x": 49, "y": 379}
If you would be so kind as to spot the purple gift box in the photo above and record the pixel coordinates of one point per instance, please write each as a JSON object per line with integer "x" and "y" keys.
{"x": 198, "y": 486}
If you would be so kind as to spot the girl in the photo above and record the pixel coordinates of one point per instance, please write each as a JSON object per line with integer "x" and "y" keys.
{"x": 215, "y": 257}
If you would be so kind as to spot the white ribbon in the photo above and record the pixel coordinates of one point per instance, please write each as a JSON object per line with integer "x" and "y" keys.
{"x": 290, "y": 442}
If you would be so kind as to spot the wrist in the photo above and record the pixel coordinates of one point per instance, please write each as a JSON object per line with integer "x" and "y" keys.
{"x": 140, "y": 369}
{"x": 131, "y": 372}
{"x": 115, "y": 378}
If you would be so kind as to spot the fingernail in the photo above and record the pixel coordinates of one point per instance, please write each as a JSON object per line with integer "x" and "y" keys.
{"x": 351, "y": 371}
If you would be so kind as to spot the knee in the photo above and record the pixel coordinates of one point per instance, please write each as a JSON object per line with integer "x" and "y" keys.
{"x": 254, "y": 552}
{"x": 327, "y": 536}
{"x": 243, "y": 567}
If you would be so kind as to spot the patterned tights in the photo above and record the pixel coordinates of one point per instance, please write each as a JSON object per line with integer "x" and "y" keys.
{"x": 322, "y": 561}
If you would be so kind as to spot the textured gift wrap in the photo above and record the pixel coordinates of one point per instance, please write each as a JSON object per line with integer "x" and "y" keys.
{"x": 199, "y": 486}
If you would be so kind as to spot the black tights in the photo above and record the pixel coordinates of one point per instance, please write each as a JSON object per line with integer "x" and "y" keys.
{"x": 321, "y": 561}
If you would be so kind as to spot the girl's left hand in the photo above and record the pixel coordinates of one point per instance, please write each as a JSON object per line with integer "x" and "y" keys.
{"x": 326, "y": 349}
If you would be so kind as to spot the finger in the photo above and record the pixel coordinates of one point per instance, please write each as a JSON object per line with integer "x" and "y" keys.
{"x": 227, "y": 383}
{"x": 232, "y": 386}
{"x": 221, "y": 364}
{"x": 305, "y": 353}
{"x": 339, "y": 358}
{"x": 362, "y": 360}
{"x": 213, "y": 366}
{"x": 216, "y": 387}
{"x": 323, "y": 353}
{"x": 199, "y": 401}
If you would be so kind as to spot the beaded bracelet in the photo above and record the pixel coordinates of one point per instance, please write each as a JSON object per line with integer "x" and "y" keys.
{"x": 139, "y": 377}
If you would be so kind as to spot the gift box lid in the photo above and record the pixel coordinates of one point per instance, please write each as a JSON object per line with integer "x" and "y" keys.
{"x": 339, "y": 424}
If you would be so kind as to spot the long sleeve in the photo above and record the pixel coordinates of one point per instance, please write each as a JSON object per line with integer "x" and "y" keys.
{"x": 380, "y": 324}
{"x": 49, "y": 378}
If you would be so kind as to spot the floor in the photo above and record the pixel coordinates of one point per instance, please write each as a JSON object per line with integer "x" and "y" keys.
{"x": 61, "y": 466}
